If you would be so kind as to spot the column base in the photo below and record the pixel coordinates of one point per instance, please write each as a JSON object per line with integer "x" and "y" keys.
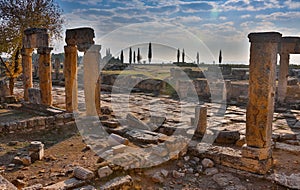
{"x": 256, "y": 153}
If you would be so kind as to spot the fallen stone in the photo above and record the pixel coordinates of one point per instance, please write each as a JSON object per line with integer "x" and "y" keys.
{"x": 66, "y": 184}
{"x": 157, "y": 121}
{"x": 12, "y": 143}
{"x": 83, "y": 173}
{"x": 160, "y": 151}
{"x": 296, "y": 126}
{"x": 227, "y": 137}
{"x": 104, "y": 172}
{"x": 34, "y": 187}
{"x": 118, "y": 149}
{"x": 144, "y": 136}
{"x": 6, "y": 185}
{"x": 164, "y": 172}
{"x": 292, "y": 81}
{"x": 134, "y": 122}
{"x": 177, "y": 174}
{"x": 157, "y": 178}
{"x": 241, "y": 141}
{"x": 235, "y": 187}
{"x": 287, "y": 147}
{"x": 292, "y": 181}
{"x": 17, "y": 160}
{"x": 110, "y": 124}
{"x": 26, "y": 160}
{"x": 284, "y": 137}
{"x": 114, "y": 139}
{"x": 118, "y": 183}
{"x": 88, "y": 187}
{"x": 211, "y": 171}
{"x": 225, "y": 179}
{"x": 19, "y": 183}
{"x": 106, "y": 110}
{"x": 207, "y": 163}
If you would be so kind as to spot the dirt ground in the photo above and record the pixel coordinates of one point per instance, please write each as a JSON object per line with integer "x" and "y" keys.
{"x": 65, "y": 149}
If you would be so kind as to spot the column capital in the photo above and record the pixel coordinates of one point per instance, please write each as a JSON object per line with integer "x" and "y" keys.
{"x": 265, "y": 37}
{"x": 44, "y": 50}
{"x": 26, "y": 51}
{"x": 70, "y": 49}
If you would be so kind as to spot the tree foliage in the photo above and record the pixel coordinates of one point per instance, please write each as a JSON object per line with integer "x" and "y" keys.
{"x": 139, "y": 56}
{"x": 150, "y": 52}
{"x": 130, "y": 55}
{"x": 18, "y": 15}
{"x": 183, "y": 56}
{"x": 122, "y": 57}
{"x": 178, "y": 55}
{"x": 220, "y": 57}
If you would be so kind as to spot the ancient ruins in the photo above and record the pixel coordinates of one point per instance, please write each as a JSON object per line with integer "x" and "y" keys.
{"x": 134, "y": 128}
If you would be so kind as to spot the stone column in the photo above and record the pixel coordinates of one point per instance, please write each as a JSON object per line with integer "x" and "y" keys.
{"x": 260, "y": 109}
{"x": 283, "y": 76}
{"x": 57, "y": 68}
{"x": 92, "y": 80}
{"x": 27, "y": 70}
{"x": 70, "y": 73}
{"x": 289, "y": 45}
{"x": 45, "y": 75}
{"x": 200, "y": 120}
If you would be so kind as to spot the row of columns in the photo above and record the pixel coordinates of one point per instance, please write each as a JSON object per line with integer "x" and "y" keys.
{"x": 80, "y": 39}
{"x": 45, "y": 81}
{"x": 37, "y": 38}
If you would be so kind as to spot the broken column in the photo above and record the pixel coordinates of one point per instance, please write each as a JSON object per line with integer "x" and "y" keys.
{"x": 36, "y": 150}
{"x": 45, "y": 77}
{"x": 92, "y": 80}
{"x": 200, "y": 120}
{"x": 27, "y": 70}
{"x": 288, "y": 46}
{"x": 260, "y": 109}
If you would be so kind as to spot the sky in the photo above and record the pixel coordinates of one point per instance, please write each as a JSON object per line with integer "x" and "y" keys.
{"x": 206, "y": 26}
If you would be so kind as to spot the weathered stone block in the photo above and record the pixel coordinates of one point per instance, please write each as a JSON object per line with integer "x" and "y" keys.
{"x": 5, "y": 184}
{"x": 34, "y": 95}
{"x": 256, "y": 153}
{"x": 118, "y": 183}
{"x": 67, "y": 184}
{"x": 35, "y": 37}
{"x": 82, "y": 37}
{"x": 104, "y": 171}
{"x": 83, "y": 173}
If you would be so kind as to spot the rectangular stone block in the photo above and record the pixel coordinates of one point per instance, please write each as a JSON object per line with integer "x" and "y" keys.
{"x": 67, "y": 184}
{"x": 34, "y": 95}
{"x": 256, "y": 153}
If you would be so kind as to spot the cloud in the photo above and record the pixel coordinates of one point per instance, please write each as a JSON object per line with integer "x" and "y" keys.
{"x": 279, "y": 16}
{"x": 195, "y": 7}
{"x": 245, "y": 16}
{"x": 223, "y": 18}
{"x": 292, "y": 4}
{"x": 247, "y": 5}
